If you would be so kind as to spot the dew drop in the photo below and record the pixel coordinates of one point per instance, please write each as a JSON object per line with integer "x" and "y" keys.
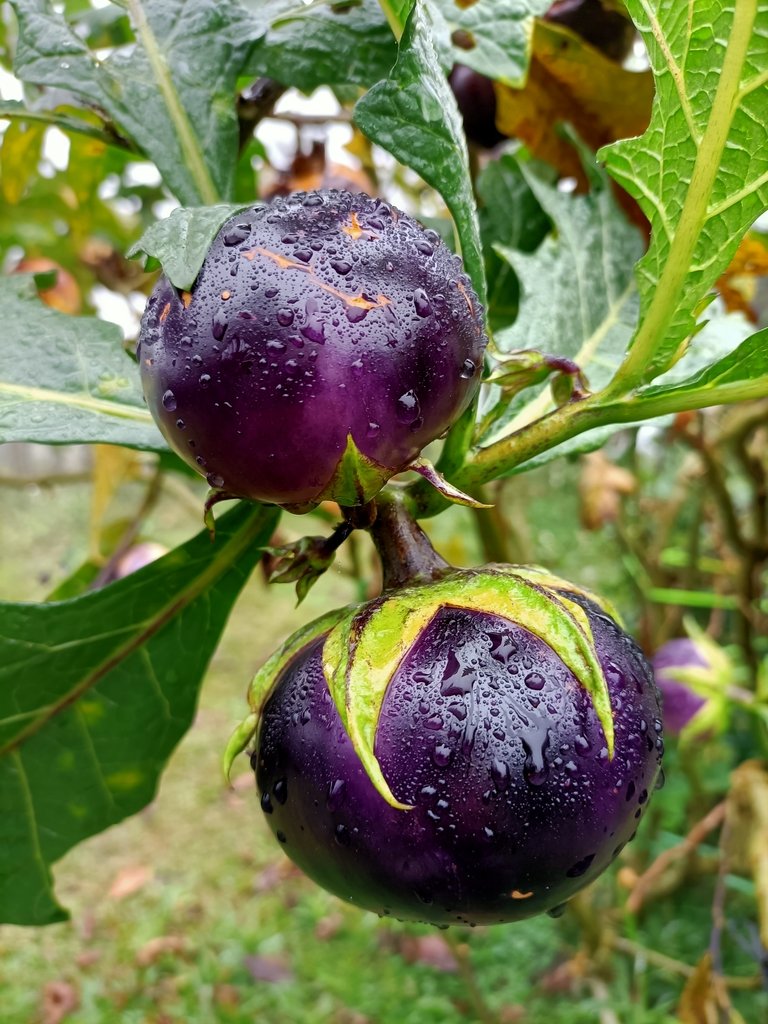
{"x": 181, "y": 424}
{"x": 285, "y": 317}
{"x": 341, "y": 267}
{"x": 169, "y": 401}
{"x": 281, "y": 837}
{"x": 342, "y": 836}
{"x": 274, "y": 346}
{"x": 441, "y": 755}
{"x": 534, "y": 681}
{"x": 237, "y": 235}
{"x": 335, "y": 794}
{"x": 305, "y": 255}
{"x": 355, "y": 313}
{"x": 214, "y": 480}
{"x": 280, "y": 791}
{"x": 205, "y": 380}
{"x": 424, "y": 247}
{"x": 408, "y": 407}
{"x": 373, "y": 429}
{"x": 421, "y": 303}
{"x": 467, "y": 369}
{"x": 266, "y": 803}
{"x": 500, "y": 775}
{"x": 219, "y": 326}
{"x": 580, "y": 867}
{"x": 630, "y": 791}
{"x": 557, "y": 911}
{"x": 661, "y": 780}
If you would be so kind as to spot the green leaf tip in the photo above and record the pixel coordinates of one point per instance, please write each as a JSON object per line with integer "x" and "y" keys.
{"x": 237, "y": 743}
{"x": 366, "y": 646}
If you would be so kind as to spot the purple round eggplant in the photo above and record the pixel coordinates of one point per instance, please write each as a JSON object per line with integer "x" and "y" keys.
{"x": 327, "y": 339}
{"x": 605, "y": 29}
{"x": 476, "y": 99}
{"x": 516, "y": 803}
{"x": 679, "y": 701}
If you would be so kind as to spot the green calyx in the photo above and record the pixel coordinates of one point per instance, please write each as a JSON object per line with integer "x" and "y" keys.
{"x": 367, "y": 645}
{"x": 265, "y": 678}
{"x": 356, "y": 478}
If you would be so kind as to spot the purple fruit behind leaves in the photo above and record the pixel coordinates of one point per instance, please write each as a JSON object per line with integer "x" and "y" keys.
{"x": 484, "y": 730}
{"x": 319, "y": 317}
{"x": 680, "y": 703}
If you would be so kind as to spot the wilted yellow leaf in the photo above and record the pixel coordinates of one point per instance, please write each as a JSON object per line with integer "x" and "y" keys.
{"x": 738, "y": 284}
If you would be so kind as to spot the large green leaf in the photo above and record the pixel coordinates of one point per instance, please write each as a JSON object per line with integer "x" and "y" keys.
{"x": 492, "y": 36}
{"x": 95, "y": 693}
{"x": 413, "y": 115}
{"x": 578, "y": 294}
{"x": 323, "y": 43}
{"x": 65, "y": 379}
{"x": 700, "y": 171}
{"x": 173, "y": 92}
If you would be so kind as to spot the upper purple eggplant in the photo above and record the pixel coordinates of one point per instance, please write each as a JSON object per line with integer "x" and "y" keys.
{"x": 327, "y": 339}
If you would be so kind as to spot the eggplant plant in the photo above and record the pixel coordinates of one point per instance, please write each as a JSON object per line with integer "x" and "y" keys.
{"x": 473, "y": 745}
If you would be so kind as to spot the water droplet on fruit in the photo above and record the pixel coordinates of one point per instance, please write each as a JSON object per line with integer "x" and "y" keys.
{"x": 373, "y": 429}
{"x": 421, "y": 303}
{"x": 441, "y": 755}
{"x": 219, "y": 326}
{"x": 457, "y": 679}
{"x": 467, "y": 369}
{"x": 582, "y": 745}
{"x": 357, "y": 367}
{"x": 355, "y": 313}
{"x": 500, "y": 775}
{"x": 205, "y": 380}
{"x": 281, "y": 837}
{"x": 335, "y": 795}
{"x": 313, "y": 199}
{"x": 341, "y": 267}
{"x": 424, "y": 896}
{"x": 274, "y": 346}
{"x": 181, "y": 424}
{"x": 580, "y": 866}
{"x": 408, "y": 407}
{"x": 661, "y": 780}
{"x": 630, "y": 791}
{"x": 238, "y": 234}
{"x": 169, "y": 401}
{"x": 314, "y": 328}
{"x": 270, "y": 293}
{"x": 424, "y": 247}
{"x": 285, "y": 317}
{"x": 557, "y": 911}
{"x": 280, "y": 791}
{"x": 342, "y": 836}
{"x": 534, "y": 681}
{"x": 305, "y": 255}
{"x": 266, "y": 803}
{"x": 643, "y": 796}
{"x": 214, "y": 480}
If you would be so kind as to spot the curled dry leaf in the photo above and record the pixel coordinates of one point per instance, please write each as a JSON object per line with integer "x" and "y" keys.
{"x": 60, "y": 999}
{"x": 601, "y": 487}
{"x": 161, "y": 945}
{"x": 738, "y": 285}
{"x": 130, "y": 880}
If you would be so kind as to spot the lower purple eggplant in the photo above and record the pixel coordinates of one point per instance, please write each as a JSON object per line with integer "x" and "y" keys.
{"x": 516, "y": 801}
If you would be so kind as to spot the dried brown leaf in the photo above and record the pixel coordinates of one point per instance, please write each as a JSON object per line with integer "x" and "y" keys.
{"x": 161, "y": 945}
{"x": 738, "y": 285}
{"x": 432, "y": 950}
{"x": 60, "y": 999}
{"x": 601, "y": 486}
{"x": 130, "y": 880}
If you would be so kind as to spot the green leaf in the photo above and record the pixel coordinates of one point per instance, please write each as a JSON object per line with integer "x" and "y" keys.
{"x": 413, "y": 115}
{"x": 14, "y": 110}
{"x": 324, "y": 44}
{"x": 173, "y": 92}
{"x": 745, "y": 368}
{"x": 65, "y": 379}
{"x": 700, "y": 171}
{"x": 181, "y": 242}
{"x": 494, "y": 37}
{"x": 511, "y": 215}
{"x": 364, "y": 649}
{"x": 95, "y": 693}
{"x": 578, "y": 294}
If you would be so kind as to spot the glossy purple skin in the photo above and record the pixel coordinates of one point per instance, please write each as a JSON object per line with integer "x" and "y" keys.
{"x": 476, "y": 100}
{"x": 680, "y": 703}
{"x": 258, "y": 382}
{"x": 489, "y": 735}
{"x": 609, "y": 31}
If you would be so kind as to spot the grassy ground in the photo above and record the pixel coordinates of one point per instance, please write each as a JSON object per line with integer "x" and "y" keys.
{"x": 190, "y": 912}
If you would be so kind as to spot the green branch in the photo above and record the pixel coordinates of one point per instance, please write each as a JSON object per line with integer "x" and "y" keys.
{"x": 17, "y": 112}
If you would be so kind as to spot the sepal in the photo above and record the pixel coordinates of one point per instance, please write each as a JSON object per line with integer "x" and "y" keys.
{"x": 356, "y": 478}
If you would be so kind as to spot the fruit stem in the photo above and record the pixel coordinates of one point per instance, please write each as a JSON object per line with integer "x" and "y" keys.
{"x": 406, "y": 554}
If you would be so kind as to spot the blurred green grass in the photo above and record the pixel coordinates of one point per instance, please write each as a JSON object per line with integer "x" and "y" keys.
{"x": 221, "y": 927}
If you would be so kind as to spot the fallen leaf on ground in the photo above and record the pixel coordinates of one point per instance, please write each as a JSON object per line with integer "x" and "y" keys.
{"x": 129, "y": 880}
{"x": 59, "y": 1000}
{"x": 266, "y": 968}
{"x": 161, "y": 945}
{"x": 328, "y": 926}
{"x": 432, "y": 950}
